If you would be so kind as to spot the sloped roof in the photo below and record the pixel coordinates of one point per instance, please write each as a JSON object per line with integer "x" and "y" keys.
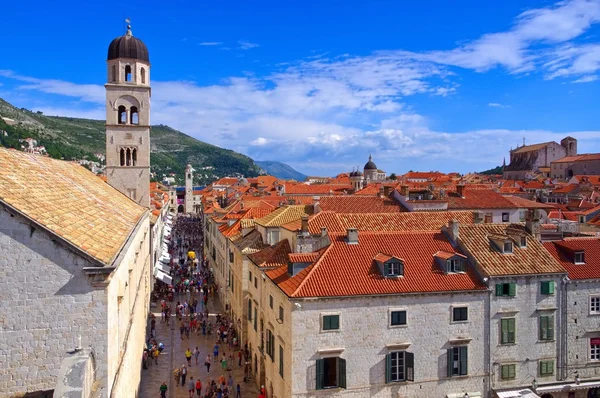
{"x": 533, "y": 259}
{"x": 272, "y": 256}
{"x": 478, "y": 199}
{"x": 359, "y": 204}
{"x": 527, "y": 204}
{"x": 534, "y": 147}
{"x": 591, "y": 249}
{"x": 284, "y": 215}
{"x": 251, "y": 241}
{"x": 587, "y": 157}
{"x": 349, "y": 270}
{"x": 316, "y": 189}
{"x": 70, "y": 201}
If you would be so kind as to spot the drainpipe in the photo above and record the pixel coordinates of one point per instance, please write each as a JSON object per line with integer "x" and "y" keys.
{"x": 564, "y": 341}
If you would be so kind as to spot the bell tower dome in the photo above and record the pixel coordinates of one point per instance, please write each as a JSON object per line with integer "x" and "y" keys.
{"x": 128, "y": 118}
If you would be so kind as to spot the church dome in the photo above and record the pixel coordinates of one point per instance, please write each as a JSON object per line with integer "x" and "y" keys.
{"x": 370, "y": 165}
{"x": 128, "y": 46}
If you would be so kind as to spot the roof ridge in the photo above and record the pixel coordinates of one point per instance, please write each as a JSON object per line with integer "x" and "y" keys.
{"x": 315, "y": 266}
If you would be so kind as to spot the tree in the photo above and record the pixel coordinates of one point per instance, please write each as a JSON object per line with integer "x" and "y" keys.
{"x": 393, "y": 177}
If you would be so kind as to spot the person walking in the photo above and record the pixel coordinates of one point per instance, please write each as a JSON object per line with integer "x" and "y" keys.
{"x": 240, "y": 358}
{"x": 196, "y": 354}
{"x": 191, "y": 387}
{"x": 207, "y": 363}
{"x": 199, "y": 387}
{"x": 188, "y": 356}
{"x": 238, "y": 393}
{"x": 163, "y": 390}
{"x": 183, "y": 374}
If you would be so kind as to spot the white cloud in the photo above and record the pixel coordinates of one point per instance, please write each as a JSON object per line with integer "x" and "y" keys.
{"x": 210, "y": 43}
{"x": 497, "y": 105}
{"x": 260, "y": 141}
{"x": 586, "y": 79}
{"x": 246, "y": 45}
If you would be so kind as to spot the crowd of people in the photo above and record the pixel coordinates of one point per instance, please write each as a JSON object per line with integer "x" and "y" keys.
{"x": 193, "y": 288}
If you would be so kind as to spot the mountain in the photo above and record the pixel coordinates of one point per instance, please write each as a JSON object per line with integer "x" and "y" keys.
{"x": 75, "y": 139}
{"x": 280, "y": 170}
{"x": 495, "y": 170}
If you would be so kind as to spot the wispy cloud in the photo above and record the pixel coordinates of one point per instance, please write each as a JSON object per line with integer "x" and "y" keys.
{"x": 586, "y": 79}
{"x": 247, "y": 45}
{"x": 210, "y": 43}
{"x": 497, "y": 105}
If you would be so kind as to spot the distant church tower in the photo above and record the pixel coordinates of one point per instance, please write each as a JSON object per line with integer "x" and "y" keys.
{"x": 189, "y": 189}
{"x": 128, "y": 118}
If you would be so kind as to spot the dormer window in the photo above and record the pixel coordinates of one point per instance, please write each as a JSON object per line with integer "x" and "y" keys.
{"x": 523, "y": 241}
{"x": 454, "y": 265}
{"x": 579, "y": 258}
{"x": 507, "y": 247}
{"x": 450, "y": 262}
{"x": 394, "y": 268}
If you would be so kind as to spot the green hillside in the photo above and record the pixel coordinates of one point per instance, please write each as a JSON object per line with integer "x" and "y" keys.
{"x": 171, "y": 150}
{"x": 280, "y": 170}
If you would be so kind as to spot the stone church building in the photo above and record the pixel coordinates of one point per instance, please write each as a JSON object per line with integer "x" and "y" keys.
{"x": 75, "y": 260}
{"x": 528, "y": 160}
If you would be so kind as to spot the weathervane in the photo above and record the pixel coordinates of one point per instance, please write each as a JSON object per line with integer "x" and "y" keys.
{"x": 128, "y": 21}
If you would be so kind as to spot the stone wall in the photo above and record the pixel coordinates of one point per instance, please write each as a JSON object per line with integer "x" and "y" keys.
{"x": 46, "y": 304}
{"x": 77, "y": 375}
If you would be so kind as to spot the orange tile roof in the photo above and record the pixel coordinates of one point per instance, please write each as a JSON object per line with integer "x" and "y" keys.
{"x": 369, "y": 190}
{"x": 421, "y": 175}
{"x": 562, "y": 251}
{"x": 565, "y": 189}
{"x": 303, "y": 257}
{"x": 272, "y": 256}
{"x": 359, "y": 204}
{"x": 226, "y": 181}
{"x": 586, "y": 157}
{"x": 533, "y": 259}
{"x": 70, "y": 201}
{"x": 349, "y": 270}
{"x": 478, "y": 199}
{"x": 284, "y": 215}
{"x": 534, "y": 147}
{"x": 527, "y": 204}
{"x": 316, "y": 189}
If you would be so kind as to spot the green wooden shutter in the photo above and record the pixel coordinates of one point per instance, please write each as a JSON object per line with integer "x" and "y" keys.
{"x": 544, "y": 287}
{"x": 450, "y": 367}
{"x": 551, "y": 327}
{"x": 543, "y": 368}
{"x": 463, "y": 361}
{"x": 504, "y": 372}
{"x": 320, "y": 373}
{"x": 512, "y": 289}
{"x": 512, "y": 371}
{"x": 341, "y": 372}
{"x": 409, "y": 360}
{"x": 551, "y": 287}
{"x": 503, "y": 331}
{"x": 388, "y": 368}
{"x": 498, "y": 289}
{"x": 511, "y": 330}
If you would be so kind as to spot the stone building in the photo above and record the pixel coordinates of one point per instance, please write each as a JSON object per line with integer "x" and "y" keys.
{"x": 75, "y": 269}
{"x": 528, "y": 160}
{"x": 128, "y": 118}
{"x": 567, "y": 167}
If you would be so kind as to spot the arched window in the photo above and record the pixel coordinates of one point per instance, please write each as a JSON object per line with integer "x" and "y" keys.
{"x": 128, "y": 157}
{"x": 134, "y": 157}
{"x": 128, "y": 73}
{"x": 114, "y": 73}
{"x": 143, "y": 74}
{"x": 122, "y": 115}
{"x": 135, "y": 118}
{"x": 122, "y": 157}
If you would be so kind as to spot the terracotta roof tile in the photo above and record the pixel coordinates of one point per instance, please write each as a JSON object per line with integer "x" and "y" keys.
{"x": 527, "y": 204}
{"x": 586, "y": 157}
{"x": 70, "y": 201}
{"x": 303, "y": 257}
{"x": 349, "y": 270}
{"x": 478, "y": 199}
{"x": 284, "y": 215}
{"x": 533, "y": 259}
{"x": 591, "y": 248}
{"x": 316, "y": 189}
{"x": 359, "y": 204}
{"x": 272, "y": 256}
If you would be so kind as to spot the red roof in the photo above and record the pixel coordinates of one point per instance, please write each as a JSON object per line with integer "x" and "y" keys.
{"x": 359, "y": 204}
{"x": 586, "y": 157}
{"x": 349, "y": 269}
{"x": 316, "y": 189}
{"x": 272, "y": 256}
{"x": 478, "y": 199}
{"x": 527, "y": 204}
{"x": 563, "y": 252}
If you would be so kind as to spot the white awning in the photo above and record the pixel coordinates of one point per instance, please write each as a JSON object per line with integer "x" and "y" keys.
{"x": 471, "y": 394}
{"x": 568, "y": 387}
{"x": 162, "y": 267}
{"x": 161, "y": 276}
{"x": 522, "y": 393}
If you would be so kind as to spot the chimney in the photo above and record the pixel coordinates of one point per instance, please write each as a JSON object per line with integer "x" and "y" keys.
{"x": 387, "y": 190}
{"x": 316, "y": 204}
{"x": 453, "y": 230}
{"x": 460, "y": 189}
{"x": 304, "y": 227}
{"x": 381, "y": 192}
{"x": 478, "y": 217}
{"x": 532, "y": 223}
{"x": 352, "y": 236}
{"x": 323, "y": 231}
{"x": 404, "y": 190}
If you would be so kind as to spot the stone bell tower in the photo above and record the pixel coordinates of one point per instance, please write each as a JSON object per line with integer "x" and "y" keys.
{"x": 128, "y": 118}
{"x": 189, "y": 189}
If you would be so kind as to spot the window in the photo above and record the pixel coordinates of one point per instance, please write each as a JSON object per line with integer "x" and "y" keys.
{"x": 507, "y": 247}
{"x": 128, "y": 73}
{"x": 523, "y": 241}
{"x": 331, "y": 322}
{"x": 595, "y": 305}
{"x": 457, "y": 361}
{"x": 128, "y": 156}
{"x": 255, "y": 282}
{"x": 398, "y": 318}
{"x": 547, "y": 327}
{"x": 546, "y": 368}
{"x": 507, "y": 331}
{"x": 331, "y": 373}
{"x": 506, "y": 289}
{"x": 454, "y": 265}
{"x": 250, "y": 276}
{"x": 281, "y": 361}
{"x": 122, "y": 115}
{"x": 460, "y": 314}
{"x": 489, "y": 218}
{"x": 595, "y": 349}
{"x": 399, "y": 366}
{"x": 249, "y": 311}
{"x": 504, "y": 217}
{"x": 394, "y": 268}
{"x": 143, "y": 74}
{"x": 271, "y": 301}
{"x": 579, "y": 258}
{"x": 270, "y": 345}
{"x": 281, "y": 313}
{"x": 273, "y": 237}
{"x": 134, "y": 115}
{"x": 255, "y": 320}
{"x": 114, "y": 73}
{"x": 547, "y": 287}
{"x": 134, "y": 157}
{"x": 122, "y": 157}
{"x": 508, "y": 372}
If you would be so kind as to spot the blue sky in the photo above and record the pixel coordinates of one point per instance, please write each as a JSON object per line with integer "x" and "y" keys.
{"x": 428, "y": 85}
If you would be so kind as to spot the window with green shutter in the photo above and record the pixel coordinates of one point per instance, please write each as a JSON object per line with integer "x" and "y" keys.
{"x": 508, "y": 372}
{"x": 547, "y": 327}
{"x": 331, "y": 322}
{"x": 506, "y": 289}
{"x": 547, "y": 287}
{"x": 330, "y": 373}
{"x": 507, "y": 331}
{"x": 457, "y": 361}
{"x": 547, "y": 368}
{"x": 399, "y": 366}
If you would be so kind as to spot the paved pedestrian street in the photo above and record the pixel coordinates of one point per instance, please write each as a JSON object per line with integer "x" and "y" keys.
{"x": 174, "y": 356}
